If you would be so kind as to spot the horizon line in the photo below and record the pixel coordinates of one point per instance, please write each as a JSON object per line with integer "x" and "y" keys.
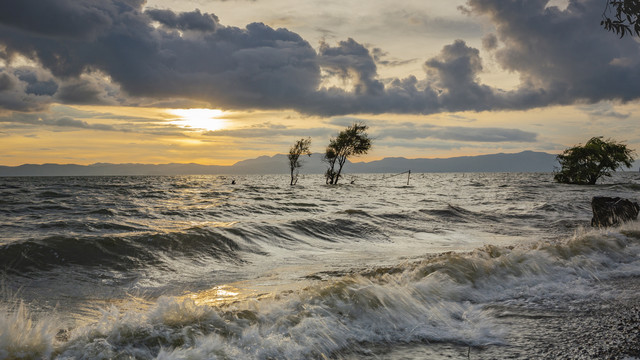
{"x": 271, "y": 156}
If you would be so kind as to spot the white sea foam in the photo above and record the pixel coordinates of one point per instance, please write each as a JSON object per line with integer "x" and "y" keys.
{"x": 443, "y": 298}
{"x": 321, "y": 271}
{"x": 22, "y": 336}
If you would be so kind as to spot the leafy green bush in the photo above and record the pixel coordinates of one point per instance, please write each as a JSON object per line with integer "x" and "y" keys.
{"x": 586, "y": 164}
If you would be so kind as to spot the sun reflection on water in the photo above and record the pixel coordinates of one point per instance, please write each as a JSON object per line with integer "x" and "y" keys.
{"x": 219, "y": 295}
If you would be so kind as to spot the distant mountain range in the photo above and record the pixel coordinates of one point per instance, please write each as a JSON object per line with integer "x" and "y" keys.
{"x": 526, "y": 161}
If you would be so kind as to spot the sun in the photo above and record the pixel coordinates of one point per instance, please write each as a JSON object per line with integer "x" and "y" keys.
{"x": 202, "y": 119}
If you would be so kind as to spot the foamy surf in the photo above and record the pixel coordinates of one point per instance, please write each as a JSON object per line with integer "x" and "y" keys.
{"x": 459, "y": 298}
{"x": 485, "y": 266}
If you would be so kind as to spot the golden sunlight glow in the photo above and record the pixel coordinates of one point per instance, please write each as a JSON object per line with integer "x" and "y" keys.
{"x": 218, "y": 295}
{"x": 204, "y": 119}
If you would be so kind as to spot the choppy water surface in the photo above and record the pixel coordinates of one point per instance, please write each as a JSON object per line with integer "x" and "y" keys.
{"x": 449, "y": 266}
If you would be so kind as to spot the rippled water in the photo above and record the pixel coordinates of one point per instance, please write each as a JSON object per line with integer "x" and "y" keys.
{"x": 451, "y": 265}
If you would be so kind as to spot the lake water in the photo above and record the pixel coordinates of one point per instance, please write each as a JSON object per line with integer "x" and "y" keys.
{"x": 449, "y": 266}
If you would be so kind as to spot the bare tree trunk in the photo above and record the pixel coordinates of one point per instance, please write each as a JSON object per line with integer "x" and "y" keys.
{"x": 331, "y": 174}
{"x": 341, "y": 162}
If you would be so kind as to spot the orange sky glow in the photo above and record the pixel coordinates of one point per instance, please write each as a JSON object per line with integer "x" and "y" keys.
{"x": 219, "y": 82}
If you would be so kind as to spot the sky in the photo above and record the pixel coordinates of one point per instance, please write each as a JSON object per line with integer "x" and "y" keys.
{"x": 219, "y": 81}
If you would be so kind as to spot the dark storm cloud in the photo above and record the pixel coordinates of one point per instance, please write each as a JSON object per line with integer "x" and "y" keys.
{"x": 79, "y": 92}
{"x": 37, "y": 81}
{"x": 69, "y": 19}
{"x": 25, "y": 89}
{"x": 6, "y": 82}
{"x": 451, "y": 84}
{"x": 87, "y": 91}
{"x": 351, "y": 60}
{"x": 33, "y": 89}
{"x": 561, "y": 56}
{"x": 456, "y": 71}
{"x": 256, "y": 67}
{"x": 193, "y": 20}
{"x": 490, "y": 42}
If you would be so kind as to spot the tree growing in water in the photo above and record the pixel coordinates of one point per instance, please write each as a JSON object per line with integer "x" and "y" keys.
{"x": 352, "y": 141}
{"x": 586, "y": 164}
{"x": 301, "y": 147}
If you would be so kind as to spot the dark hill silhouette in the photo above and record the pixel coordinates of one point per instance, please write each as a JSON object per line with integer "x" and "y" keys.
{"x": 526, "y": 161}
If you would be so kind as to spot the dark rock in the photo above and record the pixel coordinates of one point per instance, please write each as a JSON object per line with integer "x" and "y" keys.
{"x": 611, "y": 211}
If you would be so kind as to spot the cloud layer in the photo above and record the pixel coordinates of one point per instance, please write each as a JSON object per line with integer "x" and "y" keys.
{"x": 411, "y": 131}
{"x": 117, "y": 52}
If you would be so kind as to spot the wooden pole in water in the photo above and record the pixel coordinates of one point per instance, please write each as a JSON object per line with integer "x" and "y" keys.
{"x": 408, "y": 177}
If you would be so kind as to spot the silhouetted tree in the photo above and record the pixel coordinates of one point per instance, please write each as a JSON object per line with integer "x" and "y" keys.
{"x": 586, "y": 164}
{"x": 621, "y": 17}
{"x": 330, "y": 158}
{"x": 301, "y": 147}
{"x": 352, "y": 141}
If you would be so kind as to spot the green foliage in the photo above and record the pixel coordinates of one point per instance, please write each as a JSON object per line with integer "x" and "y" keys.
{"x": 352, "y": 141}
{"x": 300, "y": 147}
{"x": 621, "y": 17}
{"x": 597, "y": 158}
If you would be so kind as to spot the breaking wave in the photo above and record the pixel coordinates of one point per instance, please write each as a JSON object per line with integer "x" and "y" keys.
{"x": 191, "y": 268}
{"x": 449, "y": 297}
